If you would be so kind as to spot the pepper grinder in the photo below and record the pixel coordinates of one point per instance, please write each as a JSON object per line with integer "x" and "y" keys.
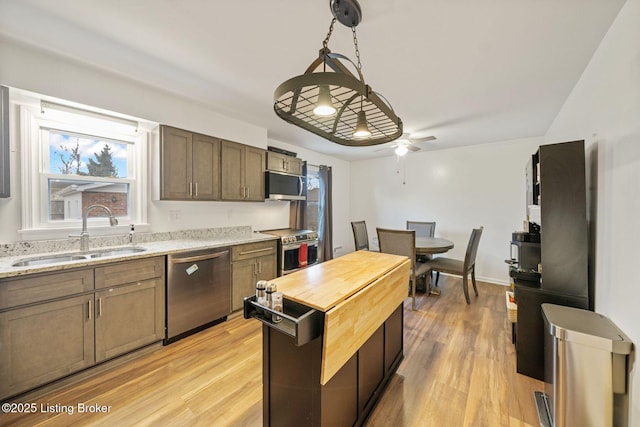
{"x": 271, "y": 288}
{"x": 261, "y": 296}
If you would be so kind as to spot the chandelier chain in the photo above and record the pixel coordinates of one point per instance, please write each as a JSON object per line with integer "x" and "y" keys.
{"x": 325, "y": 43}
{"x": 355, "y": 43}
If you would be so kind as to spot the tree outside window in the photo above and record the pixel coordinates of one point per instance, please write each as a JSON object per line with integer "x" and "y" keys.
{"x": 78, "y": 165}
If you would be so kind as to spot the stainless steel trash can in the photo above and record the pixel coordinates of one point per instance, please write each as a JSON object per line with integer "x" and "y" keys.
{"x": 585, "y": 364}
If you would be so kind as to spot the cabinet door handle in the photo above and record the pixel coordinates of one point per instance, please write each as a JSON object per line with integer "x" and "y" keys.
{"x": 247, "y": 196}
{"x": 255, "y": 251}
{"x": 99, "y": 314}
{"x": 196, "y": 189}
{"x": 197, "y": 258}
{"x": 259, "y": 267}
{"x": 89, "y": 309}
{"x": 191, "y": 189}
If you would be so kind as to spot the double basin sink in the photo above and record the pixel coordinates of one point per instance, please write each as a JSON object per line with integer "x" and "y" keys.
{"x": 75, "y": 256}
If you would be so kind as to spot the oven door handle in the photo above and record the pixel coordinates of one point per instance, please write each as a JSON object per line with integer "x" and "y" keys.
{"x": 297, "y": 245}
{"x": 198, "y": 257}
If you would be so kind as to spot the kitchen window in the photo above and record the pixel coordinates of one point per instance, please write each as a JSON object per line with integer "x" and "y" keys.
{"x": 76, "y": 157}
{"x": 313, "y": 200}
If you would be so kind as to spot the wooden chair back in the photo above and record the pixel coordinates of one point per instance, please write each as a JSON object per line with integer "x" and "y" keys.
{"x": 360, "y": 236}
{"x": 423, "y": 229}
{"x": 398, "y": 242}
{"x": 472, "y": 249}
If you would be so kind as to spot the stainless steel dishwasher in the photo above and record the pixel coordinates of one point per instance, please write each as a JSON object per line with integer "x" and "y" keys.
{"x": 198, "y": 291}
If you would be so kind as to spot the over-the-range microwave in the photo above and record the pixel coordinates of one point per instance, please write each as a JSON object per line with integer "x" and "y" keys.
{"x": 284, "y": 186}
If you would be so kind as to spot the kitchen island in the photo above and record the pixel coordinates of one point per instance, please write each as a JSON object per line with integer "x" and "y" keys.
{"x": 338, "y": 343}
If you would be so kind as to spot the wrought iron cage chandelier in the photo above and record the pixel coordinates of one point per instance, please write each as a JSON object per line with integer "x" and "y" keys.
{"x": 330, "y": 101}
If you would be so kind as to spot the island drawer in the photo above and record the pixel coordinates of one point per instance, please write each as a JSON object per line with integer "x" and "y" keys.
{"x": 300, "y": 322}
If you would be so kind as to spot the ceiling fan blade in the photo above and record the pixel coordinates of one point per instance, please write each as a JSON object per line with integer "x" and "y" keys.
{"x": 423, "y": 139}
{"x": 413, "y": 148}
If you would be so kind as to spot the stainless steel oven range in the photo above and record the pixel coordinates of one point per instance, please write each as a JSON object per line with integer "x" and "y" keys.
{"x": 297, "y": 249}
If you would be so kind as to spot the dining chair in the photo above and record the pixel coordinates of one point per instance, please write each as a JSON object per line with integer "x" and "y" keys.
{"x": 423, "y": 229}
{"x": 403, "y": 242}
{"x": 460, "y": 267}
{"x": 360, "y": 236}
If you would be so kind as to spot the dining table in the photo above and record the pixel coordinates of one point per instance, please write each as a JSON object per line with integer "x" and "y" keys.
{"x": 431, "y": 246}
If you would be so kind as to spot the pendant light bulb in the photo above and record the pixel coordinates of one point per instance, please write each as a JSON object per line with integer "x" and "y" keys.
{"x": 324, "y": 107}
{"x": 362, "y": 130}
{"x": 401, "y": 150}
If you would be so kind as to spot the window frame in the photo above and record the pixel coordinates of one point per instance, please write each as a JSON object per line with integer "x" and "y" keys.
{"x": 35, "y": 129}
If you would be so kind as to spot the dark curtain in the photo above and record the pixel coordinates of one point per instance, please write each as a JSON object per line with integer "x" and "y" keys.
{"x": 298, "y": 208}
{"x": 325, "y": 232}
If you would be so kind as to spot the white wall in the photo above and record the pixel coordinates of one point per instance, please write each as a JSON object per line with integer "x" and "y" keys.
{"x": 604, "y": 109}
{"x": 459, "y": 188}
{"x": 24, "y": 67}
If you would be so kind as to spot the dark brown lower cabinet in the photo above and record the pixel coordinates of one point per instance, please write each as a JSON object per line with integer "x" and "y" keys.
{"x": 530, "y": 330}
{"x": 370, "y": 368}
{"x": 293, "y": 395}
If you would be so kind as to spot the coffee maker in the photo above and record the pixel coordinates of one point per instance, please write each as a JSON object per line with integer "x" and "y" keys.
{"x": 524, "y": 265}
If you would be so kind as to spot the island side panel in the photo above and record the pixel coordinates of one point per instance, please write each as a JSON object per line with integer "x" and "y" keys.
{"x": 291, "y": 380}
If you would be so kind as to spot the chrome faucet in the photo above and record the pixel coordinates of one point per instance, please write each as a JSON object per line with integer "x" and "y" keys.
{"x": 84, "y": 235}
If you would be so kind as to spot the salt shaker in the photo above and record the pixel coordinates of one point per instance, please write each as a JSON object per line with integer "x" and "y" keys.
{"x": 269, "y": 290}
{"x": 261, "y": 296}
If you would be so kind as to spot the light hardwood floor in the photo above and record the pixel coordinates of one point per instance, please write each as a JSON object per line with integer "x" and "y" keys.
{"x": 458, "y": 370}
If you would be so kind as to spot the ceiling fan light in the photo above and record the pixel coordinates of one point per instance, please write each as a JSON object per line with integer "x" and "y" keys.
{"x": 361, "y": 130}
{"x": 401, "y": 150}
{"x": 324, "y": 107}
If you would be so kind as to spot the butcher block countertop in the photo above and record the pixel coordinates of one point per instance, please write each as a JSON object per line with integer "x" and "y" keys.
{"x": 325, "y": 285}
{"x": 357, "y": 293}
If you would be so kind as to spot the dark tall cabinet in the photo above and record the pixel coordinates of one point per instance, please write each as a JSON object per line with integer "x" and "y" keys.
{"x": 557, "y": 174}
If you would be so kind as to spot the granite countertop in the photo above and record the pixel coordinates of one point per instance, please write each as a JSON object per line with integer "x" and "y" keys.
{"x": 189, "y": 241}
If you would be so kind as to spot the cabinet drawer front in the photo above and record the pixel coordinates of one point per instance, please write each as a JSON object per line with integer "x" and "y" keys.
{"x": 253, "y": 250}
{"x": 32, "y": 289}
{"x": 129, "y": 272}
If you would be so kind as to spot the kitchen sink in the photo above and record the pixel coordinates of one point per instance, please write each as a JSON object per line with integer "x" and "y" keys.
{"x": 53, "y": 259}
{"x": 63, "y": 258}
{"x": 116, "y": 251}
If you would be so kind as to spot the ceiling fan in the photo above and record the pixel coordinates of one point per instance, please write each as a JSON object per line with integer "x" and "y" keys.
{"x": 406, "y": 143}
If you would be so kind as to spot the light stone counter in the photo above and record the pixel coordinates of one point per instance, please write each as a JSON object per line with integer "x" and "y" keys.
{"x": 154, "y": 244}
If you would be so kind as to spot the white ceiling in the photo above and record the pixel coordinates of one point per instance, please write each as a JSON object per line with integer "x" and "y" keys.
{"x": 465, "y": 71}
